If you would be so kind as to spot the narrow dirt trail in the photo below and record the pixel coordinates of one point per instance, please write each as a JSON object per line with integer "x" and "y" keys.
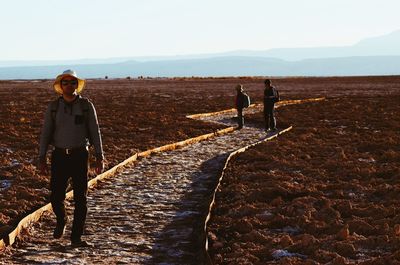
{"x": 150, "y": 213}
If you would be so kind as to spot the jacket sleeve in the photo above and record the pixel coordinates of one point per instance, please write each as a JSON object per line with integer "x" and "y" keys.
{"x": 94, "y": 131}
{"x": 46, "y": 133}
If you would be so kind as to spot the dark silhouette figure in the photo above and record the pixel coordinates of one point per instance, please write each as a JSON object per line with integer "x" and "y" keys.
{"x": 271, "y": 96}
{"x": 241, "y": 102}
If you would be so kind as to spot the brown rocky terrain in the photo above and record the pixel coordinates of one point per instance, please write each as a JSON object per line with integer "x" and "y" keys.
{"x": 335, "y": 172}
{"x": 325, "y": 193}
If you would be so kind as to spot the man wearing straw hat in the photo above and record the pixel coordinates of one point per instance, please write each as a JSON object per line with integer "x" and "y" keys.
{"x": 70, "y": 125}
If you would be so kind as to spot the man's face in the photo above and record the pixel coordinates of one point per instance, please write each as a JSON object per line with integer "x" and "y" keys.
{"x": 69, "y": 84}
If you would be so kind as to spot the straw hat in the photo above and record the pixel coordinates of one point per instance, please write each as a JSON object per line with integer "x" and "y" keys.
{"x": 57, "y": 85}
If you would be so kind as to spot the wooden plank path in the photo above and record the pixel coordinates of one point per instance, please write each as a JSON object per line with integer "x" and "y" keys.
{"x": 150, "y": 213}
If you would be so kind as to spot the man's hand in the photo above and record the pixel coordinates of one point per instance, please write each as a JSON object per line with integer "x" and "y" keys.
{"x": 99, "y": 166}
{"x": 42, "y": 166}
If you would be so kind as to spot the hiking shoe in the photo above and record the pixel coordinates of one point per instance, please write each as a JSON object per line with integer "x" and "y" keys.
{"x": 59, "y": 230}
{"x": 80, "y": 244}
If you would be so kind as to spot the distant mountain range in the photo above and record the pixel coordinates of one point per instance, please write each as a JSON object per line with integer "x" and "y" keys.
{"x": 373, "y": 56}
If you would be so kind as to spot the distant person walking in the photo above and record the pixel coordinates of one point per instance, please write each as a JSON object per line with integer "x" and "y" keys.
{"x": 70, "y": 125}
{"x": 271, "y": 96}
{"x": 242, "y": 101}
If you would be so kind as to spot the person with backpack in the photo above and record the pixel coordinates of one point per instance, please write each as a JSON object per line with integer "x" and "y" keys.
{"x": 271, "y": 96}
{"x": 70, "y": 126}
{"x": 242, "y": 101}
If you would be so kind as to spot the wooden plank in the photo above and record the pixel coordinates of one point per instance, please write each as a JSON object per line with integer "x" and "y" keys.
{"x": 33, "y": 217}
{"x": 204, "y": 236}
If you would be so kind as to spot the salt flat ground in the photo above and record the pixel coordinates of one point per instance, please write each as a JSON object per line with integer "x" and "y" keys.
{"x": 131, "y": 111}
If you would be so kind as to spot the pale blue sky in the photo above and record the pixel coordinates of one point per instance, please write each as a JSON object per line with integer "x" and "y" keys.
{"x": 76, "y": 29}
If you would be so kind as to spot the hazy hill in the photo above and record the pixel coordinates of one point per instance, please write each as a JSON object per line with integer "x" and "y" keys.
{"x": 221, "y": 66}
{"x": 386, "y": 45}
{"x": 372, "y": 56}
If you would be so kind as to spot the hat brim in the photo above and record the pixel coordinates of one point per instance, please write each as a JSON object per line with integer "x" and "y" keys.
{"x": 57, "y": 85}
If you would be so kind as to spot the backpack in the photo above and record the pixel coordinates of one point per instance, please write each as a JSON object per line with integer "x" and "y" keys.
{"x": 84, "y": 104}
{"x": 246, "y": 100}
{"x": 277, "y": 98}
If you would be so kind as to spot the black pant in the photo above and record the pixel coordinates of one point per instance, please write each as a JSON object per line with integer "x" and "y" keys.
{"x": 240, "y": 118}
{"x": 63, "y": 167}
{"x": 269, "y": 118}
